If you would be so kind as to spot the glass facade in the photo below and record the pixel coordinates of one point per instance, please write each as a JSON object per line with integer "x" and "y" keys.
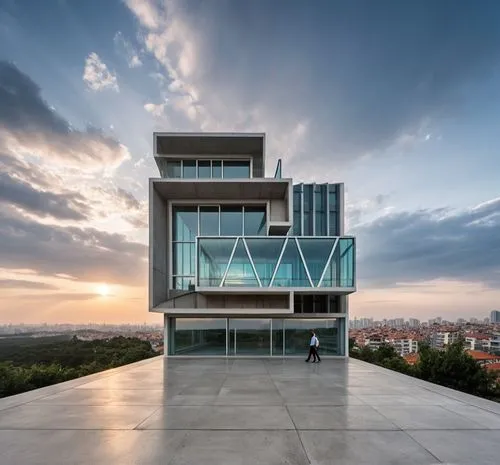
{"x": 276, "y": 262}
{"x": 207, "y": 169}
{"x": 254, "y": 337}
{"x": 316, "y": 210}
{"x": 212, "y": 220}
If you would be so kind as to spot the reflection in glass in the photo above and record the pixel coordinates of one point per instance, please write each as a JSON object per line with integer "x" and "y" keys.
{"x": 204, "y": 170}
{"x": 298, "y": 335}
{"x": 198, "y": 336}
{"x": 231, "y": 221}
{"x": 184, "y": 282}
{"x": 291, "y": 271}
{"x": 183, "y": 260}
{"x": 255, "y": 221}
{"x": 185, "y": 223}
{"x": 277, "y": 333}
{"x": 249, "y": 336}
{"x": 265, "y": 253}
{"x": 236, "y": 169}
{"x": 173, "y": 168}
{"x": 217, "y": 169}
{"x": 346, "y": 262}
{"x": 209, "y": 221}
{"x": 213, "y": 257}
{"x": 189, "y": 169}
{"x": 240, "y": 272}
{"x": 316, "y": 253}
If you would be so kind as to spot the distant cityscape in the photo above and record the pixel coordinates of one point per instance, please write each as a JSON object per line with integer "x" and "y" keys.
{"x": 481, "y": 336}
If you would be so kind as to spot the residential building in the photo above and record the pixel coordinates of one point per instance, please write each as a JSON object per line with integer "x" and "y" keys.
{"x": 241, "y": 264}
{"x": 404, "y": 346}
{"x": 413, "y": 323}
{"x": 440, "y": 339}
{"x": 495, "y": 316}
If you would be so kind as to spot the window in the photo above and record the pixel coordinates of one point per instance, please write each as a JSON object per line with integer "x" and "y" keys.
{"x": 236, "y": 169}
{"x": 216, "y": 169}
{"x": 189, "y": 169}
{"x": 185, "y": 230}
{"x": 231, "y": 221}
{"x": 204, "y": 170}
{"x": 173, "y": 168}
{"x": 320, "y": 194}
{"x": 255, "y": 221}
{"x": 209, "y": 221}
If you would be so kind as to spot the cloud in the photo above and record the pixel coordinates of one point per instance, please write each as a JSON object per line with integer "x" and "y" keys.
{"x": 84, "y": 253}
{"x": 427, "y": 245}
{"x": 24, "y": 284}
{"x": 125, "y": 48}
{"x": 223, "y": 76}
{"x": 97, "y": 76}
{"x": 29, "y": 127}
{"x": 155, "y": 109}
{"x": 63, "y": 206}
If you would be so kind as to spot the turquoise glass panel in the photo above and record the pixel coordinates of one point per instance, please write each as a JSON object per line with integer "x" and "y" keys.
{"x": 209, "y": 221}
{"x": 240, "y": 272}
{"x": 236, "y": 169}
{"x": 316, "y": 253}
{"x": 213, "y": 258}
{"x": 204, "y": 169}
{"x": 189, "y": 169}
{"x": 255, "y": 221}
{"x": 265, "y": 253}
{"x": 185, "y": 224}
{"x": 231, "y": 221}
{"x": 216, "y": 169}
{"x": 291, "y": 271}
{"x": 346, "y": 262}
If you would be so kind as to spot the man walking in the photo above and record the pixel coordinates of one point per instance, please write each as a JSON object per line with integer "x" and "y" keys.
{"x": 313, "y": 344}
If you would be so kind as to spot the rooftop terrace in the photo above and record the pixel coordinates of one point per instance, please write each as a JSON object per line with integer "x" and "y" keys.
{"x": 245, "y": 411}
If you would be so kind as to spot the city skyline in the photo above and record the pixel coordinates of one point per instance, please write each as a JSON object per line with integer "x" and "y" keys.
{"x": 399, "y": 101}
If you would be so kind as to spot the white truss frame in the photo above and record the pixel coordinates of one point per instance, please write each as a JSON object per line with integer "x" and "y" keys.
{"x": 280, "y": 257}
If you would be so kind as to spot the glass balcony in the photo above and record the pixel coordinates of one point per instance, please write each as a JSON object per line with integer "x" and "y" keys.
{"x": 285, "y": 262}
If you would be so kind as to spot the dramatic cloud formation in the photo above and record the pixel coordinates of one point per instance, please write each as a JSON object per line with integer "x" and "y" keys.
{"x": 28, "y": 126}
{"x": 155, "y": 109}
{"x": 415, "y": 68}
{"x": 97, "y": 75}
{"x": 426, "y": 245}
{"x": 86, "y": 254}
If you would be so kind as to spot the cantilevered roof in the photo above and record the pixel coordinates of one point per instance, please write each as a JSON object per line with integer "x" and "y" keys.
{"x": 189, "y": 144}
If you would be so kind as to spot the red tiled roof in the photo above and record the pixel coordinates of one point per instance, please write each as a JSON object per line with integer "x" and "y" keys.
{"x": 492, "y": 366}
{"x": 479, "y": 355}
{"x": 411, "y": 359}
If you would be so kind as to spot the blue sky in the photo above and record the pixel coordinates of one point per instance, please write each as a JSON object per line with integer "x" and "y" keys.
{"x": 400, "y": 100}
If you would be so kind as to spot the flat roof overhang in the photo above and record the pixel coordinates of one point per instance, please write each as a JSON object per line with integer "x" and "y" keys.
{"x": 275, "y": 290}
{"x": 222, "y": 189}
{"x": 188, "y": 143}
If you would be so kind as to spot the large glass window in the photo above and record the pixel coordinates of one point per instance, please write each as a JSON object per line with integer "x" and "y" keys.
{"x": 209, "y": 221}
{"x": 185, "y": 223}
{"x": 240, "y": 272}
{"x": 236, "y": 169}
{"x": 255, "y": 221}
{"x": 333, "y": 210}
{"x": 346, "y": 262}
{"x": 198, "y": 336}
{"x": 204, "y": 169}
{"x": 249, "y": 336}
{"x": 316, "y": 253}
{"x": 189, "y": 169}
{"x": 320, "y": 194}
{"x": 265, "y": 255}
{"x": 174, "y": 169}
{"x": 291, "y": 271}
{"x": 298, "y": 335}
{"x": 277, "y": 333}
{"x": 231, "y": 220}
{"x": 213, "y": 258}
{"x": 185, "y": 230}
{"x": 297, "y": 215}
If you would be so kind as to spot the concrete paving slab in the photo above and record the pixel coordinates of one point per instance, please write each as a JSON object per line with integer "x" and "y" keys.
{"x": 430, "y": 417}
{"x": 352, "y": 417}
{"x": 185, "y": 411}
{"x": 461, "y": 447}
{"x": 364, "y": 448}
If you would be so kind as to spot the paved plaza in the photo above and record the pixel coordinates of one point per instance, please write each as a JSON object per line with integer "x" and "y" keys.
{"x": 248, "y": 411}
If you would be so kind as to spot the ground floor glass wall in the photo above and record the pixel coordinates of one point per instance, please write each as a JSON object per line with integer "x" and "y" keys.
{"x": 254, "y": 336}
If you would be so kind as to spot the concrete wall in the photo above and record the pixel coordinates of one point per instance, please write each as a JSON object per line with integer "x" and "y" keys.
{"x": 158, "y": 251}
{"x": 278, "y": 210}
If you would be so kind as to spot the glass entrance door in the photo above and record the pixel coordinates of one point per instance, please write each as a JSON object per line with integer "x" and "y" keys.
{"x": 249, "y": 337}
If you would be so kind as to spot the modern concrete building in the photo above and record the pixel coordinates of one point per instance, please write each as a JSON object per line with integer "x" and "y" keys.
{"x": 495, "y": 316}
{"x": 242, "y": 264}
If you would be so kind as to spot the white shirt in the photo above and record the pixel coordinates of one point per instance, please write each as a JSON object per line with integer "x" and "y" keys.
{"x": 313, "y": 341}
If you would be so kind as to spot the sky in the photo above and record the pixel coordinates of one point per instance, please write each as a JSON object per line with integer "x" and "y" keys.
{"x": 399, "y": 100}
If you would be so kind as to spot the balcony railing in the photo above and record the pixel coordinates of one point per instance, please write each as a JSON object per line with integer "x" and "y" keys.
{"x": 285, "y": 262}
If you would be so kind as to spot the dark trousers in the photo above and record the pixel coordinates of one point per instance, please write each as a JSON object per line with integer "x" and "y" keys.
{"x": 314, "y": 353}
